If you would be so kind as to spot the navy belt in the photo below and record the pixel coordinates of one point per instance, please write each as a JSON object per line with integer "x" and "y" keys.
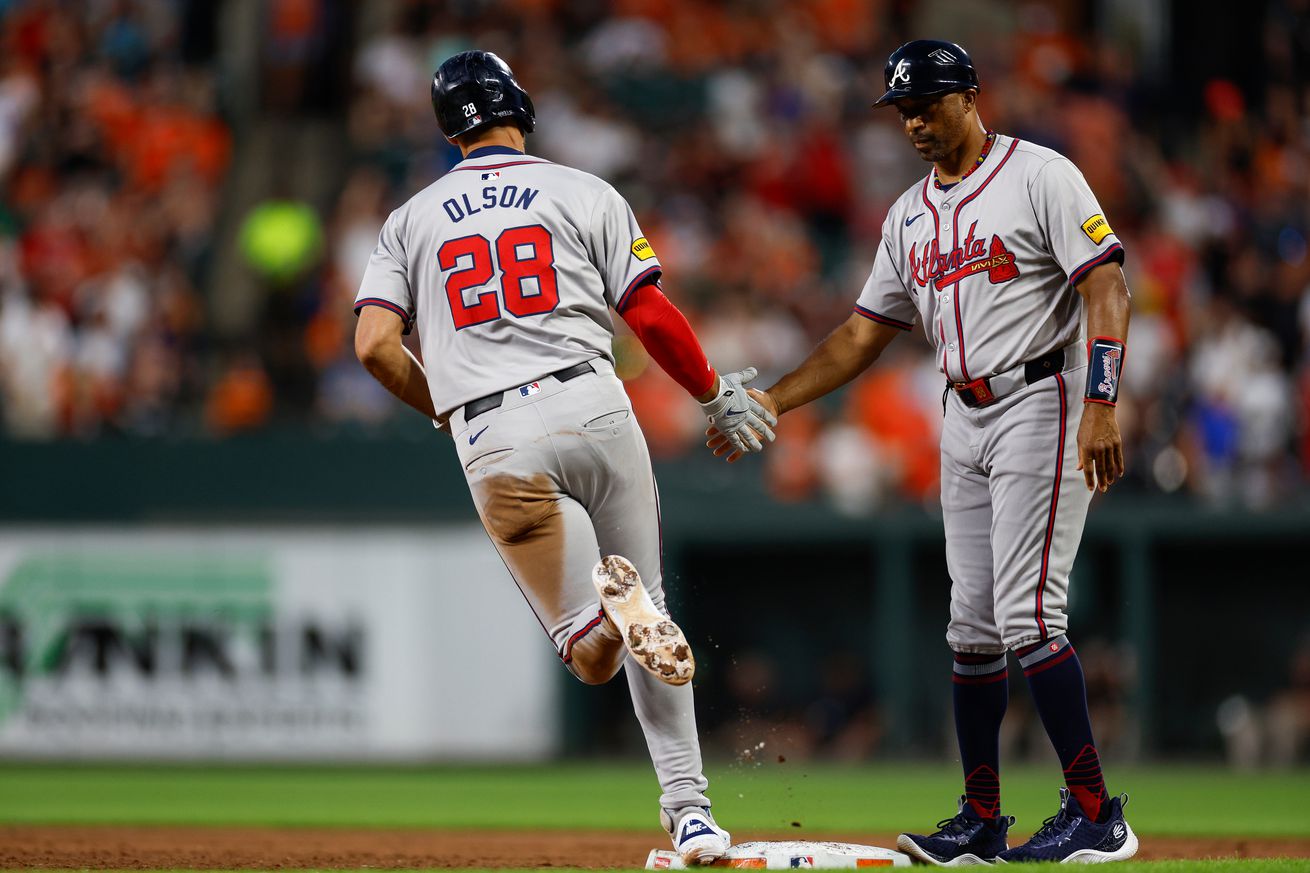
{"x": 474, "y": 408}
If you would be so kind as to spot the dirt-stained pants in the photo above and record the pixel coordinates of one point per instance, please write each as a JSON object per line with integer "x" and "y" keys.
{"x": 560, "y": 475}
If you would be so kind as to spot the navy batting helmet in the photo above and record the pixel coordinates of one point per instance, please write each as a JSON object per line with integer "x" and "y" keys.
{"x": 925, "y": 68}
{"x": 473, "y": 89}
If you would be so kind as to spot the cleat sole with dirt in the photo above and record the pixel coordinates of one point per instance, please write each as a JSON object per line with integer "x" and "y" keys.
{"x": 655, "y": 642}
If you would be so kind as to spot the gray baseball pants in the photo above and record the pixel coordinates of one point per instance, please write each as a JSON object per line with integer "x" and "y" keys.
{"x": 1014, "y": 504}
{"x": 560, "y": 475}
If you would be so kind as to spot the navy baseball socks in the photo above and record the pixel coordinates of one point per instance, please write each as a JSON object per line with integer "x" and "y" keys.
{"x": 1055, "y": 678}
{"x": 1090, "y": 827}
{"x": 981, "y": 691}
{"x": 976, "y": 835}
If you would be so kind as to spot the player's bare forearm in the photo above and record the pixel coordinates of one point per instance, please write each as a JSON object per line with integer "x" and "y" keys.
{"x": 1108, "y": 302}
{"x": 400, "y": 373}
{"x": 379, "y": 348}
{"x": 1100, "y": 444}
{"x": 843, "y": 355}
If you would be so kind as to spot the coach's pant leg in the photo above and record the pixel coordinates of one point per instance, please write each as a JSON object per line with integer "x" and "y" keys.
{"x": 967, "y": 517}
{"x": 1039, "y": 502}
{"x": 979, "y": 688}
{"x": 624, "y": 507}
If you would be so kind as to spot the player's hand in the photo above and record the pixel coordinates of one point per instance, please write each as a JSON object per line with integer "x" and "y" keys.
{"x": 738, "y": 417}
{"x": 720, "y": 445}
{"x": 1100, "y": 447}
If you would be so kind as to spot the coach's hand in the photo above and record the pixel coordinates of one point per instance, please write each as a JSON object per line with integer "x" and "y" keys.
{"x": 1100, "y": 447}
{"x": 720, "y": 445}
{"x": 741, "y": 422}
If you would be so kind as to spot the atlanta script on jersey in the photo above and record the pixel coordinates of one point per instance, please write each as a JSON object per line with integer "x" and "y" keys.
{"x": 989, "y": 265}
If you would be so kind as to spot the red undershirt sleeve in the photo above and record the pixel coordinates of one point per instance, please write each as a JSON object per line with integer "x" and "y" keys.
{"x": 665, "y": 333}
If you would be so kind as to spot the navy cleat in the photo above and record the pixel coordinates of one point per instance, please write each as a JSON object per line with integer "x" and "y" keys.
{"x": 963, "y": 841}
{"x": 1070, "y": 837}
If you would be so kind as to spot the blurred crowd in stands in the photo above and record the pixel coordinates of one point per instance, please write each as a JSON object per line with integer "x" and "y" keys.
{"x": 112, "y": 160}
{"x": 741, "y": 132}
{"x": 1274, "y": 732}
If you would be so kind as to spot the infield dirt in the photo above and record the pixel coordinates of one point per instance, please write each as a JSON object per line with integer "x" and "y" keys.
{"x": 152, "y": 848}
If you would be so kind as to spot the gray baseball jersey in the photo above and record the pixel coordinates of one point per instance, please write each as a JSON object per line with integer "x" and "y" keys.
{"x": 988, "y": 266}
{"x": 508, "y": 264}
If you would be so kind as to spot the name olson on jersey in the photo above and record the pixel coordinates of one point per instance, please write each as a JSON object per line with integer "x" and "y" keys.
{"x": 493, "y": 197}
{"x": 971, "y": 257}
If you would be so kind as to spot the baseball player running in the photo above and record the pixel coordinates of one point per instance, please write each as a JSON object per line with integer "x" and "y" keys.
{"x": 999, "y": 252}
{"x": 509, "y": 265}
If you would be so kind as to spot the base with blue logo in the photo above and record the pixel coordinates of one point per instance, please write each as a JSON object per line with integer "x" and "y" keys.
{"x": 790, "y": 855}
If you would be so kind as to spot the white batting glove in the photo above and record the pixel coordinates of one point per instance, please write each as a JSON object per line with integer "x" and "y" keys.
{"x": 737, "y": 415}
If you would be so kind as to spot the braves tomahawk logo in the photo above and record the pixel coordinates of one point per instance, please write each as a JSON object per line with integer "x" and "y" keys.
{"x": 1109, "y": 366}
{"x": 900, "y": 75}
{"x": 971, "y": 257}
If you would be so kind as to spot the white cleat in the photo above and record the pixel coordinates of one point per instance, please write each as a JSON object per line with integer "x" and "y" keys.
{"x": 695, "y": 835}
{"x": 655, "y": 642}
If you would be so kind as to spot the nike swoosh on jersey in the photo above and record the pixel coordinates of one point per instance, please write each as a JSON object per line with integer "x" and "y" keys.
{"x": 473, "y": 439}
{"x": 910, "y": 221}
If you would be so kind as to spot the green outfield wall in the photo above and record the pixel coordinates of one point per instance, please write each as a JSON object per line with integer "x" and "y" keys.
{"x": 1205, "y": 605}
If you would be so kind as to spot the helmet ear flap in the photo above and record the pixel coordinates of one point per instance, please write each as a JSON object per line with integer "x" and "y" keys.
{"x": 528, "y": 120}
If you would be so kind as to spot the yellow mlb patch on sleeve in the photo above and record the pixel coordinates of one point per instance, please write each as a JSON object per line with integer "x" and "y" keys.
{"x": 642, "y": 250}
{"x": 1097, "y": 228}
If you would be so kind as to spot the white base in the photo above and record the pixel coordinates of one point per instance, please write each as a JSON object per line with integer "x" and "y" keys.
{"x": 789, "y": 855}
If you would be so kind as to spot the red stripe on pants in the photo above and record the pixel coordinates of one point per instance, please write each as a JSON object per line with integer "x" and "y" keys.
{"x": 1055, "y": 502}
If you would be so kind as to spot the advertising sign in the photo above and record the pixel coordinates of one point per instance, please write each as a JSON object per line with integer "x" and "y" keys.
{"x": 269, "y": 644}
